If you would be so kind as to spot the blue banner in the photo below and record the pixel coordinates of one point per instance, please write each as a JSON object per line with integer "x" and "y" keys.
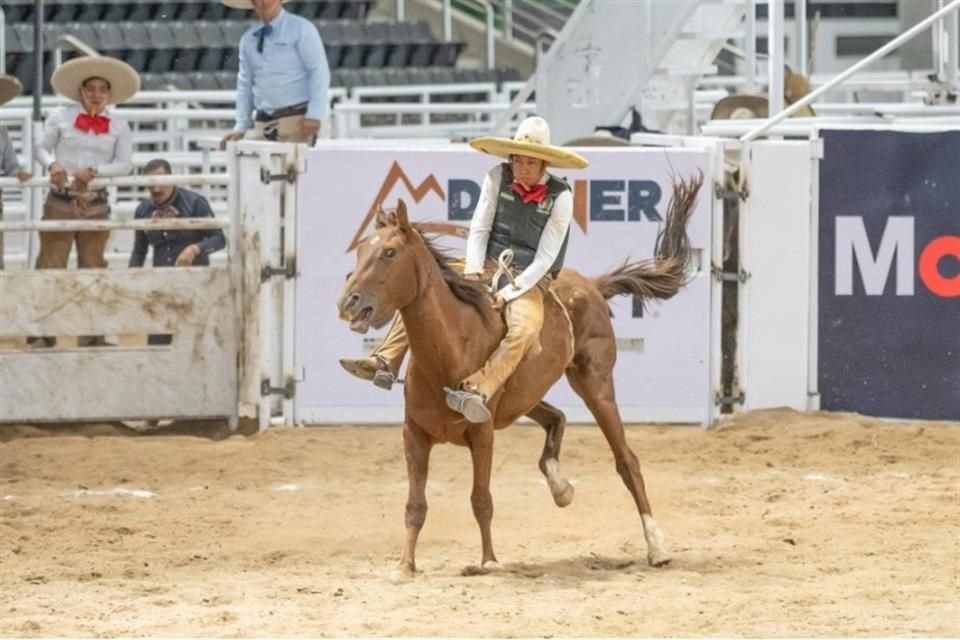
{"x": 889, "y": 267}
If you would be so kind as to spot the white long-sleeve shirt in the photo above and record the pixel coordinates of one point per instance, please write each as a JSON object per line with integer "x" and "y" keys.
{"x": 551, "y": 242}
{"x": 110, "y": 153}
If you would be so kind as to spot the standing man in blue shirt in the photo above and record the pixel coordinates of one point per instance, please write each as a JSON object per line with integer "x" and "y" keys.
{"x": 284, "y": 78}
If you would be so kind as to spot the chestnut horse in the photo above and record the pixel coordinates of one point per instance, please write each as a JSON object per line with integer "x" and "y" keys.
{"x": 452, "y": 329}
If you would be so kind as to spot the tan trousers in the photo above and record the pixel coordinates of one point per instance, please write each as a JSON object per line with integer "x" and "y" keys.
{"x": 55, "y": 246}
{"x": 524, "y": 318}
{"x": 286, "y": 129}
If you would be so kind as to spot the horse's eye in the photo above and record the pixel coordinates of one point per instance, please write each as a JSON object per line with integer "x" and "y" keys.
{"x": 389, "y": 252}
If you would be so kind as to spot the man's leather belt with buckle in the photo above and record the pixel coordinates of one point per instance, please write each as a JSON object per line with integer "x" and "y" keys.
{"x": 87, "y": 198}
{"x": 283, "y": 112}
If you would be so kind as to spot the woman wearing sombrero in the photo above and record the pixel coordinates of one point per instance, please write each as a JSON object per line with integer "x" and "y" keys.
{"x": 81, "y": 142}
{"x": 10, "y": 88}
{"x": 523, "y": 208}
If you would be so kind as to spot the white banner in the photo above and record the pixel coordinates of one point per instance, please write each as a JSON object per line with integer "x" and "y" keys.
{"x": 662, "y": 371}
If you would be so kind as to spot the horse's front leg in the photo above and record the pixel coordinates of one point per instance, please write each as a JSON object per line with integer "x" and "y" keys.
{"x": 416, "y": 449}
{"x": 480, "y": 441}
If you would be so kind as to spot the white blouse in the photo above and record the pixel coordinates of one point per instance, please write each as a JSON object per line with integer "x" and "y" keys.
{"x": 109, "y": 153}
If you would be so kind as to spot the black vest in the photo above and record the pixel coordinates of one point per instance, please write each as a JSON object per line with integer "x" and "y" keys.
{"x": 519, "y": 226}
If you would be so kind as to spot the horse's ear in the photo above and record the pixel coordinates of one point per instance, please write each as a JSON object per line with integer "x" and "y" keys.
{"x": 383, "y": 219}
{"x": 402, "y": 221}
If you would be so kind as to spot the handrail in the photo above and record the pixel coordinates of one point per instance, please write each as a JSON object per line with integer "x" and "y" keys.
{"x": 879, "y": 53}
{"x": 128, "y": 181}
{"x": 400, "y": 108}
{"x": 74, "y": 41}
{"x": 3, "y": 40}
{"x": 168, "y": 224}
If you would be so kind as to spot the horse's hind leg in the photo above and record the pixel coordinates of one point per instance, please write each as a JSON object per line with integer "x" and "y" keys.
{"x": 553, "y": 422}
{"x": 591, "y": 376}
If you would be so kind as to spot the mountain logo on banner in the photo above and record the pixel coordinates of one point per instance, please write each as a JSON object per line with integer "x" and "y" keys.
{"x": 395, "y": 175}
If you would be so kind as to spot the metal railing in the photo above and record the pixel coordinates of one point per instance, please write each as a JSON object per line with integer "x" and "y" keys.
{"x": 906, "y": 36}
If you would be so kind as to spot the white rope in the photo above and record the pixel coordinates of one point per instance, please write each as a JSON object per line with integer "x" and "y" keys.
{"x": 503, "y": 269}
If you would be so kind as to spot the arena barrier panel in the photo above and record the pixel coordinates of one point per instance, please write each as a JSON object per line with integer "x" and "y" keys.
{"x": 889, "y": 268}
{"x": 194, "y": 376}
{"x": 227, "y": 354}
{"x": 664, "y": 368}
{"x": 776, "y": 229}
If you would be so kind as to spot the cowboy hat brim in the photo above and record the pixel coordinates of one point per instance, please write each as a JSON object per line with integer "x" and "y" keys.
{"x": 554, "y": 156}
{"x": 242, "y": 4}
{"x": 726, "y": 107}
{"x": 597, "y": 141}
{"x": 124, "y": 80}
{"x": 10, "y": 88}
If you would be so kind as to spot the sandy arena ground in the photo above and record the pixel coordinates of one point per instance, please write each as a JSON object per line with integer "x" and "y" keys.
{"x": 781, "y": 524}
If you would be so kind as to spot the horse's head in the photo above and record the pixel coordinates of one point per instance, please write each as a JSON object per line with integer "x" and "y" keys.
{"x": 384, "y": 279}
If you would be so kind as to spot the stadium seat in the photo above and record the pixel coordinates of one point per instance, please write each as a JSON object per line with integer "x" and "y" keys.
{"x": 142, "y": 11}
{"x": 231, "y": 60}
{"x": 91, "y": 12}
{"x": 227, "y": 80}
{"x": 22, "y": 37}
{"x": 231, "y": 31}
{"x": 116, "y": 12}
{"x": 190, "y": 11}
{"x": 109, "y": 36}
{"x": 354, "y": 10}
{"x": 214, "y": 11}
{"x": 203, "y": 81}
{"x": 166, "y": 11}
{"x": 445, "y": 54}
{"x": 210, "y": 60}
{"x": 329, "y": 10}
{"x": 137, "y": 58}
{"x": 163, "y": 37}
{"x": 211, "y": 35}
{"x": 135, "y": 35}
{"x": 66, "y": 12}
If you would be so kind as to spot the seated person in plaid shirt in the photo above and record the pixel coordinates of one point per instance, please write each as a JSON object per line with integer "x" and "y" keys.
{"x": 174, "y": 248}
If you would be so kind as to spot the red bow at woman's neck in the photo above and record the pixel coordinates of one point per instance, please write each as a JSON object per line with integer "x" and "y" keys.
{"x": 96, "y": 123}
{"x": 537, "y": 193}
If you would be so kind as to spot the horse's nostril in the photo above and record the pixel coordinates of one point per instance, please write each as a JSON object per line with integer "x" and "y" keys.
{"x": 352, "y": 301}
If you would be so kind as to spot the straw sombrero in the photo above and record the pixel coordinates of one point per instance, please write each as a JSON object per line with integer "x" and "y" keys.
{"x": 242, "y": 4}
{"x": 124, "y": 80}
{"x": 10, "y": 88}
{"x": 735, "y": 107}
{"x": 599, "y": 138}
{"x": 532, "y": 139}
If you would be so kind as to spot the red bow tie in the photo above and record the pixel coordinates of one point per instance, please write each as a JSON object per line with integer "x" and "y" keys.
{"x": 537, "y": 193}
{"x": 97, "y": 124}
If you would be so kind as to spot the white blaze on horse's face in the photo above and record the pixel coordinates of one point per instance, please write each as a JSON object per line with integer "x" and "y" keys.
{"x": 367, "y": 298}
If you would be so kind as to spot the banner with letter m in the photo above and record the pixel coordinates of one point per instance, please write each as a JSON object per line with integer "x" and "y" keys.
{"x": 889, "y": 274}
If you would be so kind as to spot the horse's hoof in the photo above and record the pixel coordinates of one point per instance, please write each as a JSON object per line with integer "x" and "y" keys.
{"x": 564, "y": 497}
{"x": 401, "y": 575}
{"x": 489, "y": 566}
{"x": 658, "y": 558}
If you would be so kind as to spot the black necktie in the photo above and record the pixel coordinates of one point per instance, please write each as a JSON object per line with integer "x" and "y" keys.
{"x": 264, "y": 31}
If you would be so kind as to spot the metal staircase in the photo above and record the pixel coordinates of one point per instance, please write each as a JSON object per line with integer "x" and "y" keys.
{"x": 667, "y": 47}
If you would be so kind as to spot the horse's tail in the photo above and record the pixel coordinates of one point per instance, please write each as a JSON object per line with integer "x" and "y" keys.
{"x": 664, "y": 275}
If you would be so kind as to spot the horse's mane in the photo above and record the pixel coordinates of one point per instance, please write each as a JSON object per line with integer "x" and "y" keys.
{"x": 469, "y": 292}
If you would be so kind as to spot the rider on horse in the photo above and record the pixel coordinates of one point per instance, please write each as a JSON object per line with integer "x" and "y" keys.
{"x": 522, "y": 208}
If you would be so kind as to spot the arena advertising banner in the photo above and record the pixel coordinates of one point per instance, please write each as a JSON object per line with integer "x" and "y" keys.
{"x": 889, "y": 298}
{"x": 662, "y": 372}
